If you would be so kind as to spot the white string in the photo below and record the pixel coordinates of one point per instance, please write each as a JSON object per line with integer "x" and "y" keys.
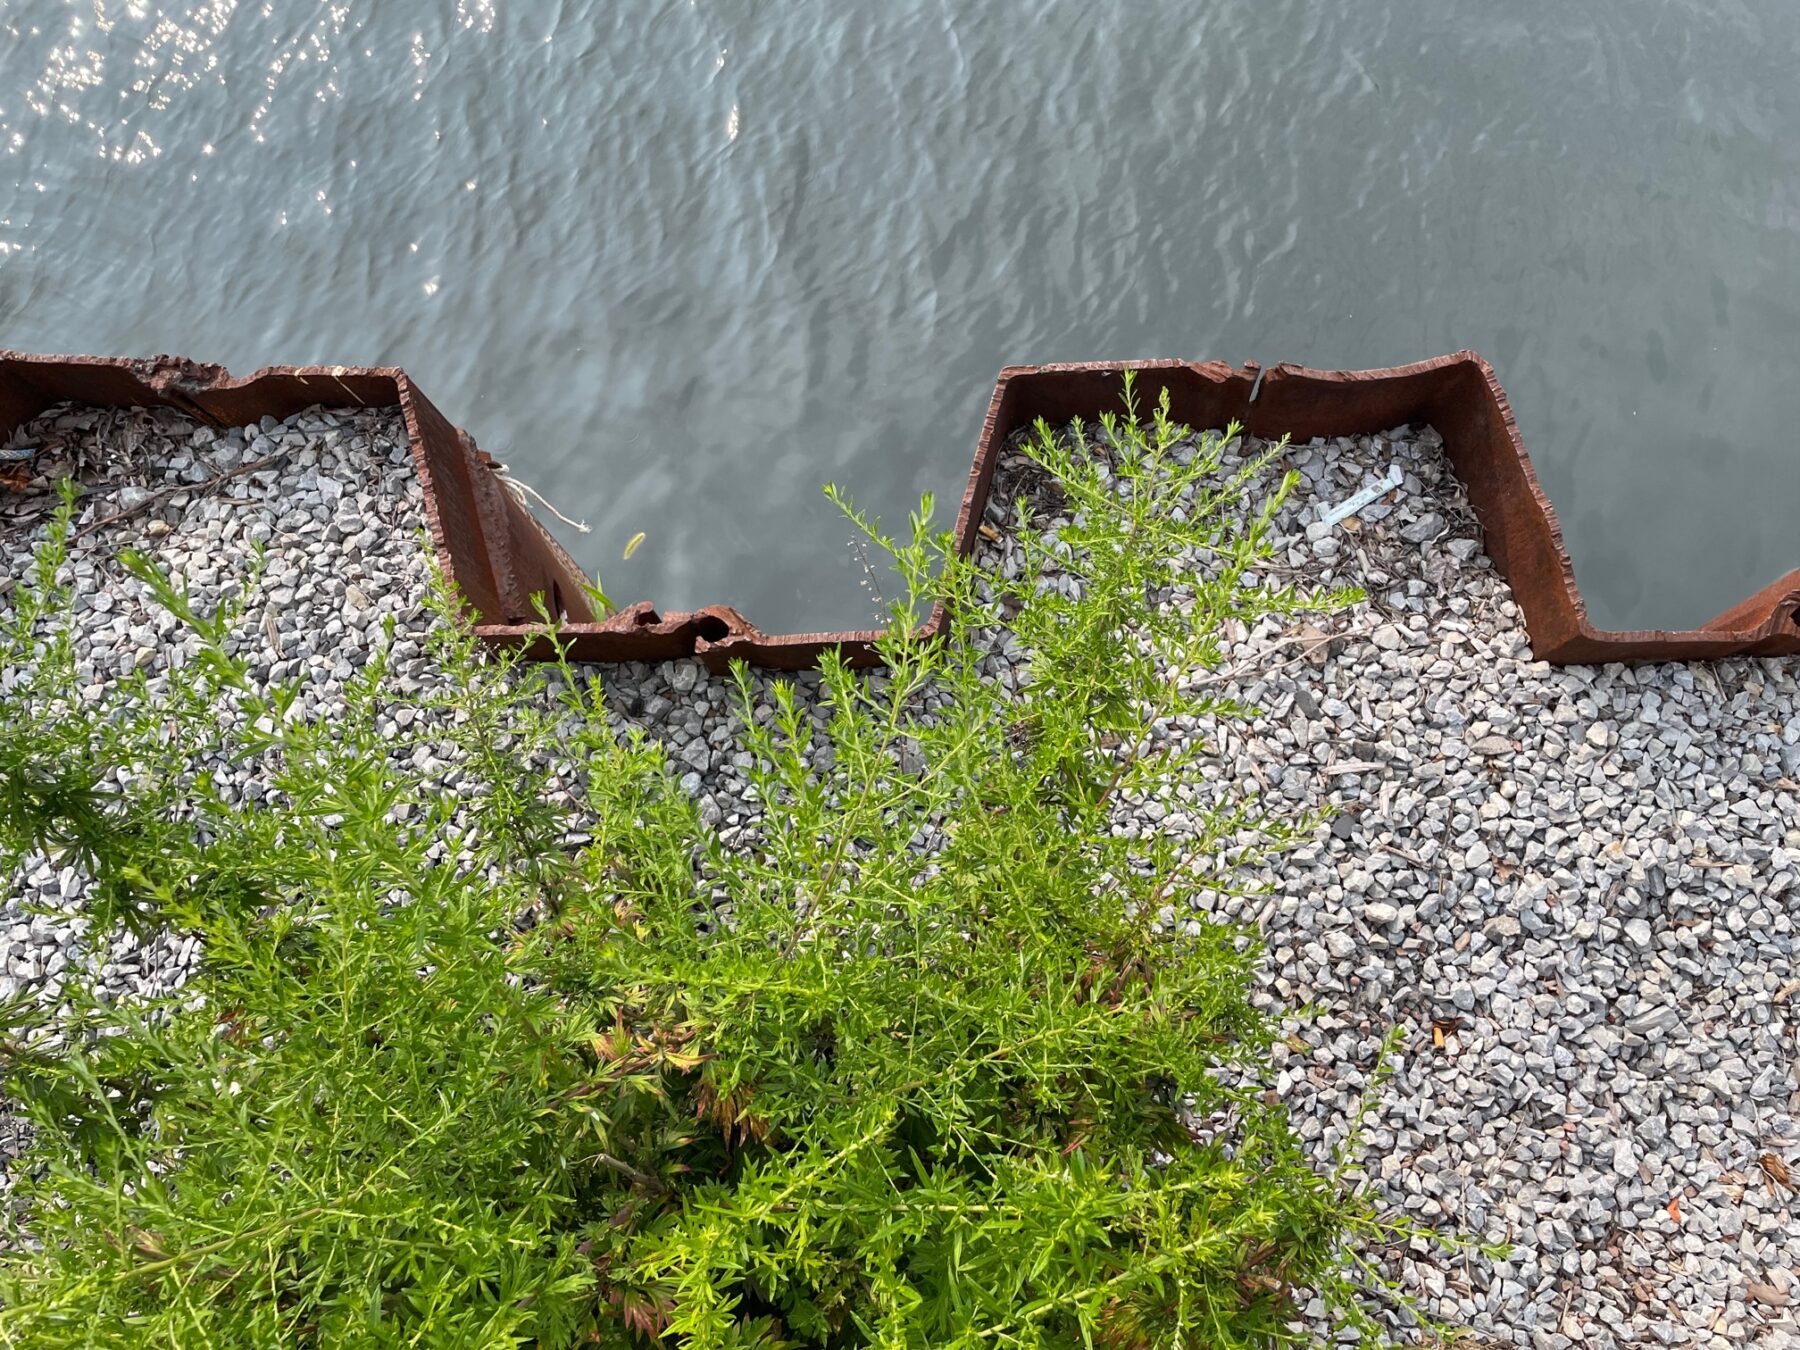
{"x": 519, "y": 489}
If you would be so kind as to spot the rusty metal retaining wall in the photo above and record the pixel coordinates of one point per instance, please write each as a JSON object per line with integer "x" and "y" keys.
{"x": 1458, "y": 395}
{"x": 499, "y": 556}
{"x": 488, "y": 545}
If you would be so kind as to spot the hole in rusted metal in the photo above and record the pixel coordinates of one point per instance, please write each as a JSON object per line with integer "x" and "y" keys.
{"x": 558, "y": 610}
{"x": 712, "y": 628}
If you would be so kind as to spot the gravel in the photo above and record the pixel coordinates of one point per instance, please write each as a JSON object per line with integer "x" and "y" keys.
{"x": 336, "y": 567}
{"x": 1573, "y": 888}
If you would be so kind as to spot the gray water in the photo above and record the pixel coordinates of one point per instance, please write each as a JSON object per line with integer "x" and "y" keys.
{"x": 681, "y": 263}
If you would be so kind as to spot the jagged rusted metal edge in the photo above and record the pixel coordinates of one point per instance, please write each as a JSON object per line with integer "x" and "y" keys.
{"x": 1460, "y": 396}
{"x": 499, "y": 556}
{"x": 492, "y": 549}
{"x": 495, "y": 552}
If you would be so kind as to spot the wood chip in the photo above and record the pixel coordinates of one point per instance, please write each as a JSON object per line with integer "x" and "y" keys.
{"x": 1776, "y": 1171}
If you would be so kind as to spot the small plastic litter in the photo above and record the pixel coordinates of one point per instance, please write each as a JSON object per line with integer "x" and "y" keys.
{"x": 19, "y": 454}
{"x": 1374, "y": 492}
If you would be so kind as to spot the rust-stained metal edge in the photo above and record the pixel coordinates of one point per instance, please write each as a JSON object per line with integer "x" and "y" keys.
{"x": 1460, "y": 396}
{"x": 487, "y": 545}
{"x": 496, "y": 554}
{"x": 500, "y": 557}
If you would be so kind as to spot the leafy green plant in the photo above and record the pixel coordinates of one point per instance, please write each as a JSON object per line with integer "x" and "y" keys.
{"x": 537, "y": 1059}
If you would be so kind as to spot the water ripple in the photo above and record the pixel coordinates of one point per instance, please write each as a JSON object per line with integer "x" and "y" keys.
{"x": 678, "y": 264}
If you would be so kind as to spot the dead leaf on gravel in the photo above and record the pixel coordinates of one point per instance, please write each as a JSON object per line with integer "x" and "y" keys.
{"x": 1776, "y": 1171}
{"x": 1314, "y": 642}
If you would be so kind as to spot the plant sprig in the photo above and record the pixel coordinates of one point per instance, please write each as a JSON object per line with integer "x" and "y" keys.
{"x": 526, "y": 1055}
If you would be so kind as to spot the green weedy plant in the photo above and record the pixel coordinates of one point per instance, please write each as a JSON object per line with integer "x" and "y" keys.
{"x": 903, "y": 1065}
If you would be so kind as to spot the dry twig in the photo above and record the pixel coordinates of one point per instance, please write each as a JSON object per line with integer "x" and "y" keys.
{"x": 199, "y": 489}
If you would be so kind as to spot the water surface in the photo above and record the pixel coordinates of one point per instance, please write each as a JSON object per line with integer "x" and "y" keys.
{"x": 678, "y": 264}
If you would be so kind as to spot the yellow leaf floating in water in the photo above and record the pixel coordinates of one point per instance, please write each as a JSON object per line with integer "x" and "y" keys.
{"x": 631, "y": 546}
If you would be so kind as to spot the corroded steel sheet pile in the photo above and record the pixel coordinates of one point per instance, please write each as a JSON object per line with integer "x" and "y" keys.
{"x": 1458, "y": 395}
{"x": 499, "y": 556}
{"x": 493, "y": 549}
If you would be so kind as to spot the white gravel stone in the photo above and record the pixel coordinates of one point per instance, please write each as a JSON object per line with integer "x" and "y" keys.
{"x": 1584, "y": 880}
{"x": 1576, "y": 889}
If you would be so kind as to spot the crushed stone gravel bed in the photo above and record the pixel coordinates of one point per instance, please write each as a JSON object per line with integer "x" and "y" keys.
{"x": 1574, "y": 888}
